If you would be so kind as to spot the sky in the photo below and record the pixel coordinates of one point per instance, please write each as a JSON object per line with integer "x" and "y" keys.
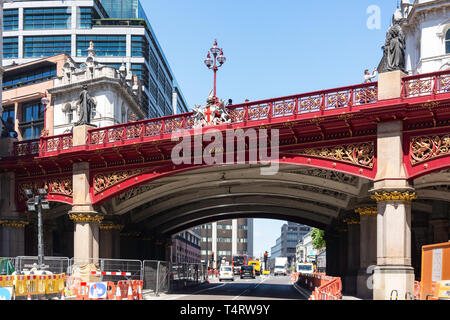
{"x": 273, "y": 49}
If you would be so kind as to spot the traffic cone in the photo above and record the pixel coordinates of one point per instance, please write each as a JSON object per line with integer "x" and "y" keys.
{"x": 130, "y": 292}
{"x": 29, "y": 296}
{"x": 63, "y": 296}
{"x": 118, "y": 293}
{"x": 139, "y": 292}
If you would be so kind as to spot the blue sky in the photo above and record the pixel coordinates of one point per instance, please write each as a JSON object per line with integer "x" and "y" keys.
{"x": 273, "y": 49}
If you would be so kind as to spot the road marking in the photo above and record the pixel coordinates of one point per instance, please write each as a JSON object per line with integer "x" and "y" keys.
{"x": 237, "y": 297}
{"x": 190, "y": 294}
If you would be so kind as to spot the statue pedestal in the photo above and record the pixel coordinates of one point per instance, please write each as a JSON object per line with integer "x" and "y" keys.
{"x": 390, "y": 85}
{"x": 80, "y": 135}
{"x": 6, "y": 146}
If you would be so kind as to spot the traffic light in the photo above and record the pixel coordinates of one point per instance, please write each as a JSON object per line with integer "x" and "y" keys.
{"x": 265, "y": 260}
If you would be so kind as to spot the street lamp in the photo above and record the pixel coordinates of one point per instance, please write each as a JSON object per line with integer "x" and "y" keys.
{"x": 40, "y": 203}
{"x": 212, "y": 64}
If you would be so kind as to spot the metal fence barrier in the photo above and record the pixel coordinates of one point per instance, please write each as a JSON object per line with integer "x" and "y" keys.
{"x": 157, "y": 276}
{"x": 162, "y": 276}
{"x": 55, "y": 265}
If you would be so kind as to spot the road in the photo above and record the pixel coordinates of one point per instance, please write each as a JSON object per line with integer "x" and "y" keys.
{"x": 261, "y": 288}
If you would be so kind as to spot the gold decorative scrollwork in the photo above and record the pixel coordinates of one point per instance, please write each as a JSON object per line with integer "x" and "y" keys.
{"x": 14, "y": 223}
{"x": 367, "y": 211}
{"x": 394, "y": 196}
{"x": 425, "y": 148}
{"x": 361, "y": 154}
{"x": 351, "y": 221}
{"x": 85, "y": 217}
{"x": 55, "y": 185}
{"x": 110, "y": 226}
{"x": 104, "y": 181}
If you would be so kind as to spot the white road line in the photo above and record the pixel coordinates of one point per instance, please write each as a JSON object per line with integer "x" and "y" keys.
{"x": 190, "y": 294}
{"x": 237, "y": 297}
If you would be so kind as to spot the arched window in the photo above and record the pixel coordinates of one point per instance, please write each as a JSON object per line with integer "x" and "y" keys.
{"x": 447, "y": 42}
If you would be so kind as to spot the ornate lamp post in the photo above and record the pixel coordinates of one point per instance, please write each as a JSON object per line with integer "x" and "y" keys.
{"x": 38, "y": 202}
{"x": 214, "y": 65}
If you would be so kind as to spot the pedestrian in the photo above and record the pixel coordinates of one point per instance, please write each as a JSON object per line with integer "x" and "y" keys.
{"x": 368, "y": 77}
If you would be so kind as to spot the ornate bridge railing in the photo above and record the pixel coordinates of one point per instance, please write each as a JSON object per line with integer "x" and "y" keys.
{"x": 316, "y": 102}
{"x": 25, "y": 148}
{"x": 426, "y": 84}
{"x": 321, "y": 103}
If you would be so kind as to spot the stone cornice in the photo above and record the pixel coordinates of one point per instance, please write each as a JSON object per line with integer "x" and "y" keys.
{"x": 422, "y": 8}
{"x": 394, "y": 196}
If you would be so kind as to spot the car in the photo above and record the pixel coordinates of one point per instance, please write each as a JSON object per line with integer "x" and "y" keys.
{"x": 247, "y": 271}
{"x": 226, "y": 273}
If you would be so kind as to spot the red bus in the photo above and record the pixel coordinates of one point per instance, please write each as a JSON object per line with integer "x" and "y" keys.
{"x": 238, "y": 261}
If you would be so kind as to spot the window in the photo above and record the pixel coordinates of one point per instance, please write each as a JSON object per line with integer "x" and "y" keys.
{"x": 106, "y": 46}
{"x": 242, "y": 227}
{"x": 153, "y": 89}
{"x": 447, "y": 42}
{"x": 29, "y": 77}
{"x": 224, "y": 226}
{"x": 10, "y": 19}
{"x": 292, "y": 236}
{"x": 141, "y": 71}
{"x": 224, "y": 240}
{"x": 224, "y": 253}
{"x": 32, "y": 120}
{"x": 139, "y": 47}
{"x": 242, "y": 240}
{"x": 9, "y": 112}
{"x": 10, "y": 47}
{"x": 86, "y": 16}
{"x": 48, "y": 18}
{"x": 46, "y": 46}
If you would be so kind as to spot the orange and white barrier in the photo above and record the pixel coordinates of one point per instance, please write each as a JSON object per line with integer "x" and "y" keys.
{"x": 322, "y": 287}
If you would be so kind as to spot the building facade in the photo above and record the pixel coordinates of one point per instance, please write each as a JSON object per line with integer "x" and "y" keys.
{"x": 23, "y": 88}
{"x": 223, "y": 239}
{"x": 186, "y": 247}
{"x": 305, "y": 251}
{"x": 427, "y": 30}
{"x": 38, "y": 29}
{"x": 286, "y": 244}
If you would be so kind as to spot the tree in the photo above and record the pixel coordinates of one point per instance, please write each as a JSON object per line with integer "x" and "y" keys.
{"x": 318, "y": 240}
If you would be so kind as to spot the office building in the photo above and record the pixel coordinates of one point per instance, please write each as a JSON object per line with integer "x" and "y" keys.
{"x": 225, "y": 239}
{"x": 38, "y": 29}
{"x": 285, "y": 245}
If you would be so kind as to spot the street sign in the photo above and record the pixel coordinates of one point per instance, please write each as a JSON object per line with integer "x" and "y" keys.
{"x": 97, "y": 290}
{"x": 6, "y": 293}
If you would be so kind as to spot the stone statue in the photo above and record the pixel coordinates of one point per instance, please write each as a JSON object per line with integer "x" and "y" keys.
{"x": 86, "y": 104}
{"x": 8, "y": 128}
{"x": 221, "y": 115}
{"x": 394, "y": 48}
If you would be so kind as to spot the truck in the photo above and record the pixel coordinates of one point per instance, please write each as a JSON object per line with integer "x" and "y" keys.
{"x": 281, "y": 266}
{"x": 256, "y": 265}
